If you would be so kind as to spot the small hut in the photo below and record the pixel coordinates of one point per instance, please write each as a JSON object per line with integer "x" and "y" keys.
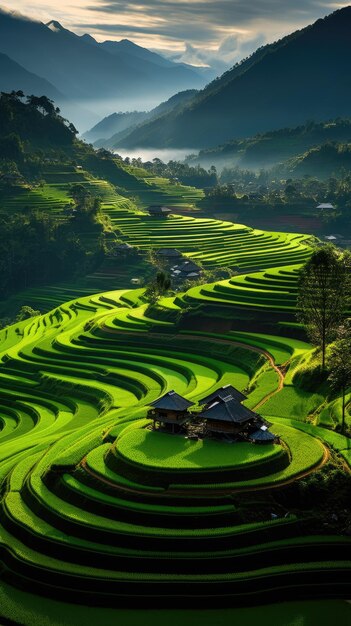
{"x": 170, "y": 412}
{"x": 262, "y": 435}
{"x": 157, "y": 210}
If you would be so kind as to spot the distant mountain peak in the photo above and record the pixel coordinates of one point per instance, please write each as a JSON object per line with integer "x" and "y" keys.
{"x": 89, "y": 39}
{"x": 128, "y": 42}
{"x": 55, "y": 26}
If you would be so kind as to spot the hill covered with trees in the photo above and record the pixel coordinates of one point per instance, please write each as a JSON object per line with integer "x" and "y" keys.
{"x": 35, "y": 246}
{"x": 270, "y": 90}
{"x": 275, "y": 146}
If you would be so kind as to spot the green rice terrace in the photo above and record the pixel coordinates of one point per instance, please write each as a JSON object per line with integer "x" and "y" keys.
{"x": 97, "y": 505}
{"x": 101, "y": 508}
{"x": 213, "y": 244}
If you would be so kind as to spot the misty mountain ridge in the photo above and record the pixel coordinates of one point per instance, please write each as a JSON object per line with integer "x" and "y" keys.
{"x": 91, "y": 73}
{"x": 112, "y": 128}
{"x": 13, "y": 76}
{"x": 302, "y": 76}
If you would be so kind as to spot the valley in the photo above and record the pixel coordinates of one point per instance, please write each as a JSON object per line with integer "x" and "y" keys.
{"x": 175, "y": 323}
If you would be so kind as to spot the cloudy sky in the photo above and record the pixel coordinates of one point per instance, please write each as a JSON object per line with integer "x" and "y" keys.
{"x": 196, "y": 31}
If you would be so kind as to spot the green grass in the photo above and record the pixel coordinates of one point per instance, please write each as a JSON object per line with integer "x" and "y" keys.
{"x": 306, "y": 452}
{"x": 160, "y": 450}
{"x": 292, "y": 402}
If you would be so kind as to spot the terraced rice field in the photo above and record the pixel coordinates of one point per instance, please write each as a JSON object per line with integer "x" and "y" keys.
{"x": 152, "y": 189}
{"x": 214, "y": 243}
{"x": 82, "y": 513}
{"x": 96, "y": 508}
{"x": 271, "y": 289}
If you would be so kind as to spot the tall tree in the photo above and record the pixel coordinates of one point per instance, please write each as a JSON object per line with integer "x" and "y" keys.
{"x": 158, "y": 287}
{"x": 163, "y": 282}
{"x": 340, "y": 375}
{"x": 324, "y": 295}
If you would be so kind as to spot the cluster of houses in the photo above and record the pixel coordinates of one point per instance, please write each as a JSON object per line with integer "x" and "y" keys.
{"x": 223, "y": 416}
{"x": 180, "y": 268}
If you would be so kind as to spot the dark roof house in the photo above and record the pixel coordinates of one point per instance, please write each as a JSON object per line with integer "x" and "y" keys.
{"x": 262, "y": 435}
{"x": 226, "y": 416}
{"x": 172, "y": 401}
{"x": 170, "y": 412}
{"x": 189, "y": 266}
{"x": 156, "y": 210}
{"x": 228, "y": 410}
{"x": 223, "y": 392}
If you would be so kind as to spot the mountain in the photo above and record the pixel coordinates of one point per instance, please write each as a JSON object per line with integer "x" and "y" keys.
{"x": 267, "y": 149}
{"x": 303, "y": 76}
{"x": 113, "y": 124}
{"x": 87, "y": 72}
{"x": 137, "y": 52}
{"x": 109, "y": 131}
{"x": 13, "y": 77}
{"x": 143, "y": 54}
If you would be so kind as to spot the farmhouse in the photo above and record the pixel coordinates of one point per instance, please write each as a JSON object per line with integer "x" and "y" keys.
{"x": 227, "y": 416}
{"x": 157, "y": 210}
{"x": 170, "y": 412}
{"x": 223, "y": 392}
{"x": 222, "y": 416}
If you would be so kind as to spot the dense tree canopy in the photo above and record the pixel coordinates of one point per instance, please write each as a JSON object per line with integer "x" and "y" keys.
{"x": 35, "y": 249}
{"x": 324, "y": 294}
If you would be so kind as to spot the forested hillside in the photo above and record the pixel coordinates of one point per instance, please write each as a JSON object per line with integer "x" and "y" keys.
{"x": 302, "y": 77}
{"x": 275, "y": 146}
